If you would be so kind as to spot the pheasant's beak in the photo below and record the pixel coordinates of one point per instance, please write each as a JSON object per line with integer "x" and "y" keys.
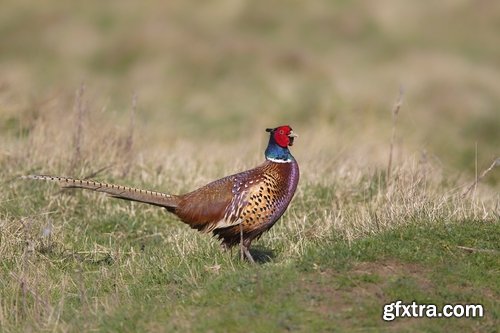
{"x": 292, "y": 136}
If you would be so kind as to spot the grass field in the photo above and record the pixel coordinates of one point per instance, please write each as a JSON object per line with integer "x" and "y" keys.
{"x": 176, "y": 95}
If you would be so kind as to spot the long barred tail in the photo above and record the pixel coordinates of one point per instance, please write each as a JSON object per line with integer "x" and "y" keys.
{"x": 116, "y": 191}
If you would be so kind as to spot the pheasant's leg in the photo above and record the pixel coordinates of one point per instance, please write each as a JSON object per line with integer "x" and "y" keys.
{"x": 242, "y": 246}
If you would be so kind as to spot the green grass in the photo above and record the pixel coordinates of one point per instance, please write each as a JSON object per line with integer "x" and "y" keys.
{"x": 139, "y": 284}
{"x": 340, "y": 287}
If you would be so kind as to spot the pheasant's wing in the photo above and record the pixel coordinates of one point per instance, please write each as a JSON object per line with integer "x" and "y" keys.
{"x": 205, "y": 206}
{"x": 116, "y": 191}
{"x": 218, "y": 204}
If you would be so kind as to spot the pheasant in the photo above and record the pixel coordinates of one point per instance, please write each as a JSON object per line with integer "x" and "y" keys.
{"x": 237, "y": 209}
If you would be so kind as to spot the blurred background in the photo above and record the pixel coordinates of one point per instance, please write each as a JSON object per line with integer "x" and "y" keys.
{"x": 207, "y": 74}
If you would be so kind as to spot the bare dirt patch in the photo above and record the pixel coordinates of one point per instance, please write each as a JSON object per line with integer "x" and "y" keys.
{"x": 390, "y": 270}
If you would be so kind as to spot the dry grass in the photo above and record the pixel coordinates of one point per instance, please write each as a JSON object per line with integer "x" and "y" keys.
{"x": 44, "y": 234}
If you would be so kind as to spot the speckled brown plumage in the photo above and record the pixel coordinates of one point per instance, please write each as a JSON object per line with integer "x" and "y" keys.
{"x": 266, "y": 193}
{"x": 237, "y": 208}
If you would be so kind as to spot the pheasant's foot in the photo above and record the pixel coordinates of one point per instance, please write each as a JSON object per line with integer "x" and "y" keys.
{"x": 248, "y": 255}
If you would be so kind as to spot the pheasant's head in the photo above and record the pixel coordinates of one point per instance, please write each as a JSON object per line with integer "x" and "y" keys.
{"x": 282, "y": 135}
{"x": 280, "y": 138}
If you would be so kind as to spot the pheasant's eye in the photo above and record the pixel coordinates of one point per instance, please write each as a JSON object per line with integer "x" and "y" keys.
{"x": 281, "y": 132}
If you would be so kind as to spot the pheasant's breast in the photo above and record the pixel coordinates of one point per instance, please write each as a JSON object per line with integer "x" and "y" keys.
{"x": 260, "y": 197}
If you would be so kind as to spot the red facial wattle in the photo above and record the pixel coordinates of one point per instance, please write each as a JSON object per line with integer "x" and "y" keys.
{"x": 281, "y": 139}
{"x": 282, "y": 136}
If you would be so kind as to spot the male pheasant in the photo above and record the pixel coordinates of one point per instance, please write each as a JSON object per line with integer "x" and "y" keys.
{"x": 237, "y": 208}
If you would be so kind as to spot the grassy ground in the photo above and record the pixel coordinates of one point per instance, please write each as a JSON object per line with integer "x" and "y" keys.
{"x": 208, "y": 79}
{"x": 346, "y": 247}
{"x": 121, "y": 273}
